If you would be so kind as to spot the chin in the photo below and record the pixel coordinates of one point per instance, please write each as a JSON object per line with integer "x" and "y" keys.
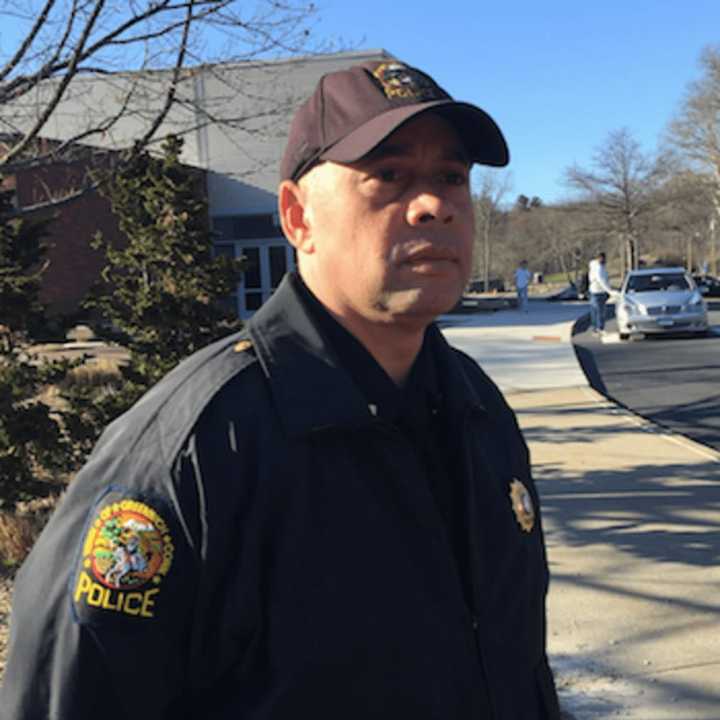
{"x": 421, "y": 303}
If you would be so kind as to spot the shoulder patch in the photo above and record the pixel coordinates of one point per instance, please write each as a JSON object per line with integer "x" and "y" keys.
{"x": 126, "y": 555}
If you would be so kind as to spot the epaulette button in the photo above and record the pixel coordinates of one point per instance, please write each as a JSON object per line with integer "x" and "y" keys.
{"x": 242, "y": 346}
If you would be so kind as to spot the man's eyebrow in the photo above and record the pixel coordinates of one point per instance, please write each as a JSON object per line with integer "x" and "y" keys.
{"x": 392, "y": 150}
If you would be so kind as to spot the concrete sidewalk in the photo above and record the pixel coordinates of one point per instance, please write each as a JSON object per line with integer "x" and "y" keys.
{"x": 521, "y": 350}
{"x": 632, "y": 521}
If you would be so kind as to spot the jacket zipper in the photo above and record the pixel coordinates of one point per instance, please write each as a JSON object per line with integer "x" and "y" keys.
{"x": 471, "y": 611}
{"x": 474, "y": 564}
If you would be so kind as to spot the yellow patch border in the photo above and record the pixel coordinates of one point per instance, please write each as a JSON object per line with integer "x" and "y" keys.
{"x": 94, "y": 589}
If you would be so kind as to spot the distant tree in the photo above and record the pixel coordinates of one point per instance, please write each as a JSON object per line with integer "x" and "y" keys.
{"x": 574, "y": 240}
{"x": 148, "y": 52}
{"x": 684, "y": 221}
{"x": 621, "y": 184}
{"x": 547, "y": 236}
{"x": 522, "y": 202}
{"x": 695, "y": 133}
{"x": 489, "y": 215}
{"x": 164, "y": 294}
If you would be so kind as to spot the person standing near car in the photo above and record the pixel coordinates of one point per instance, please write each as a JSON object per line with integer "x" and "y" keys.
{"x": 331, "y": 514}
{"x": 599, "y": 290}
{"x": 522, "y": 283}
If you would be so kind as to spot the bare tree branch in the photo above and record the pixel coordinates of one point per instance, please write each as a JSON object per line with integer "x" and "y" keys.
{"x": 60, "y": 91}
{"x": 57, "y": 65}
{"x": 66, "y": 150}
{"x": 119, "y": 73}
{"x": 695, "y": 132}
{"x": 28, "y": 41}
{"x": 172, "y": 89}
{"x": 494, "y": 185}
{"x": 621, "y": 185}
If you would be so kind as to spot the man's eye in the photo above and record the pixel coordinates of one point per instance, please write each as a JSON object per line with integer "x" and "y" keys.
{"x": 388, "y": 175}
{"x": 456, "y": 178}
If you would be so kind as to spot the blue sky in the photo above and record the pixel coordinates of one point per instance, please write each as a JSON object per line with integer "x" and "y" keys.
{"x": 557, "y": 75}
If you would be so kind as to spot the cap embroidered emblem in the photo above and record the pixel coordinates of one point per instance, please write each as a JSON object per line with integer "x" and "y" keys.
{"x": 127, "y": 553}
{"x": 522, "y": 505}
{"x": 399, "y": 81}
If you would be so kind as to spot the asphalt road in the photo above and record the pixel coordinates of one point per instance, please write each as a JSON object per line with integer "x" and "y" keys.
{"x": 673, "y": 381}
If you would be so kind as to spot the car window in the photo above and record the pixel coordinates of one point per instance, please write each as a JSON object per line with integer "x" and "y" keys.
{"x": 654, "y": 283}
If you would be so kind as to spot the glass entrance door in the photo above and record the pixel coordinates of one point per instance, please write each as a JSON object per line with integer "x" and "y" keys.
{"x": 268, "y": 256}
{"x": 267, "y": 261}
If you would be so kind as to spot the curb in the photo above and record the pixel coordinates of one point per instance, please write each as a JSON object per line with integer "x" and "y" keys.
{"x": 587, "y": 365}
{"x": 650, "y": 426}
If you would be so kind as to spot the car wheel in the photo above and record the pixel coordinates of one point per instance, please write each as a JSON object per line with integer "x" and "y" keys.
{"x": 624, "y": 336}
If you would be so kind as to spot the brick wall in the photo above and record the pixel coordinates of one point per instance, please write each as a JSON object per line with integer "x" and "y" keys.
{"x": 73, "y": 264}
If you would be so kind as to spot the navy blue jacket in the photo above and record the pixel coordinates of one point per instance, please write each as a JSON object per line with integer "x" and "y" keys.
{"x": 251, "y": 542}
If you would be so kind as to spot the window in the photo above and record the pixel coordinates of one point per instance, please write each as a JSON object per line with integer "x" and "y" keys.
{"x": 268, "y": 256}
{"x": 657, "y": 282}
{"x": 278, "y": 264}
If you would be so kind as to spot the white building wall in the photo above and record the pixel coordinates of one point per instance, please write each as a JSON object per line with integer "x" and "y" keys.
{"x": 243, "y": 162}
{"x": 234, "y": 125}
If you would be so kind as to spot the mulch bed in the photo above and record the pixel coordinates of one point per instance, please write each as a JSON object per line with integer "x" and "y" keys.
{"x": 5, "y": 594}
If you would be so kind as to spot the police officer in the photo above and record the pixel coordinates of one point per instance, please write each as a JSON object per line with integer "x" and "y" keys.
{"x": 330, "y": 515}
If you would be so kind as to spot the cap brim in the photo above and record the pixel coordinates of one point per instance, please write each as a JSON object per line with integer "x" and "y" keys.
{"x": 479, "y": 133}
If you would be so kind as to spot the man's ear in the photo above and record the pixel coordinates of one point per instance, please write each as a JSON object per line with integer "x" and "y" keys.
{"x": 294, "y": 216}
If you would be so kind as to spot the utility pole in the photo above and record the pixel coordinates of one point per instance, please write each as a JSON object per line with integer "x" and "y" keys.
{"x": 713, "y": 246}
{"x": 689, "y": 253}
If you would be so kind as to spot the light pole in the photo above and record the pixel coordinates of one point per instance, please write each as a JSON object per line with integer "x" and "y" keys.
{"x": 689, "y": 255}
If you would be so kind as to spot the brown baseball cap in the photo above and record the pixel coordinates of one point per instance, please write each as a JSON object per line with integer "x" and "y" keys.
{"x": 352, "y": 111}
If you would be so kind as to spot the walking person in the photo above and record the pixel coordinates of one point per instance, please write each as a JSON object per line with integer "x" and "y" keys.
{"x": 522, "y": 282}
{"x": 335, "y": 508}
{"x": 599, "y": 290}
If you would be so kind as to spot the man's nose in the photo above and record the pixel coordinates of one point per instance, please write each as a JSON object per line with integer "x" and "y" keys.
{"x": 429, "y": 206}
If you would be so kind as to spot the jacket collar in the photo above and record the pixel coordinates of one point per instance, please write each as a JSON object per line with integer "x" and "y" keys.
{"x": 311, "y": 390}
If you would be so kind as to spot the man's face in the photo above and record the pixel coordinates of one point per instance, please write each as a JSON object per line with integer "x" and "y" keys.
{"x": 390, "y": 237}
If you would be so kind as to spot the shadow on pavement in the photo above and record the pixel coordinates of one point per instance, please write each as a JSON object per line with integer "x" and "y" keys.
{"x": 643, "y": 511}
{"x": 594, "y": 689}
{"x": 661, "y": 520}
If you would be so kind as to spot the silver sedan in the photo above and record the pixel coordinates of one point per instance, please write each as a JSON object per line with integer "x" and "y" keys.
{"x": 660, "y": 300}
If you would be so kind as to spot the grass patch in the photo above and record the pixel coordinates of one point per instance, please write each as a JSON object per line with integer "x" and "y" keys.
{"x": 96, "y": 372}
{"x": 20, "y": 529}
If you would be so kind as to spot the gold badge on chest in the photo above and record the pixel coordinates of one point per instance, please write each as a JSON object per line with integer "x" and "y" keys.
{"x": 522, "y": 505}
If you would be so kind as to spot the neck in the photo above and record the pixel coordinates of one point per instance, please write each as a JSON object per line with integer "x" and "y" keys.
{"x": 394, "y": 346}
{"x": 394, "y": 341}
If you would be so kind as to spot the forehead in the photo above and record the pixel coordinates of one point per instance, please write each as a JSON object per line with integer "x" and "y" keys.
{"x": 429, "y": 133}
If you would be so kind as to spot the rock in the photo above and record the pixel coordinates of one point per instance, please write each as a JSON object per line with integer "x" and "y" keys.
{"x": 80, "y": 333}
